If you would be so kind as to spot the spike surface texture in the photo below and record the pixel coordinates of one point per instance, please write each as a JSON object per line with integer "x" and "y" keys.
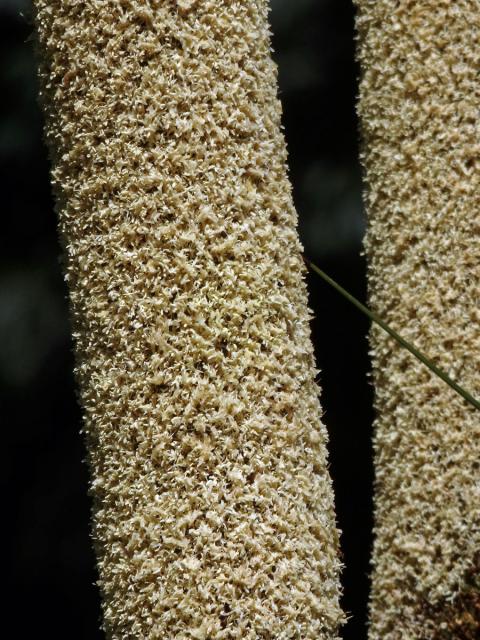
{"x": 213, "y": 508}
{"x": 419, "y": 109}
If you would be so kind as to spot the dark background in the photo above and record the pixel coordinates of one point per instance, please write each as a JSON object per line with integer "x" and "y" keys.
{"x": 49, "y": 574}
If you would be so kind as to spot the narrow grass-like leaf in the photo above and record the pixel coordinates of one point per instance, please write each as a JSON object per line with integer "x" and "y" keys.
{"x": 375, "y": 318}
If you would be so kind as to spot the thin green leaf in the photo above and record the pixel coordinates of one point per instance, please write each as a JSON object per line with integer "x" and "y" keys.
{"x": 375, "y": 318}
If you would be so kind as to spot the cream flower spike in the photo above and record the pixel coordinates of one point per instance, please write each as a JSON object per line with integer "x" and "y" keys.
{"x": 419, "y": 106}
{"x": 213, "y": 511}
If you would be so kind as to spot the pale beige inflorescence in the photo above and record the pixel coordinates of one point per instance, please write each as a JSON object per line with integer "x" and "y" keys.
{"x": 420, "y": 119}
{"x": 213, "y": 509}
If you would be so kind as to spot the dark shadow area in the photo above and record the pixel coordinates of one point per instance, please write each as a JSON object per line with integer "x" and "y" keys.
{"x": 50, "y": 573}
{"x": 314, "y": 48}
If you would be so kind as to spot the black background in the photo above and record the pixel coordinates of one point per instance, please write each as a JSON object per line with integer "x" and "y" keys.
{"x": 49, "y": 572}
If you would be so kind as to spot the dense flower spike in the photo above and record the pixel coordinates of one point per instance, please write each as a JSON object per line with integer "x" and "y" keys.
{"x": 213, "y": 508}
{"x": 419, "y": 109}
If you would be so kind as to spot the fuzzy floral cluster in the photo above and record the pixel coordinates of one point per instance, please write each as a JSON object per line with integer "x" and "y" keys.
{"x": 419, "y": 107}
{"x": 213, "y": 508}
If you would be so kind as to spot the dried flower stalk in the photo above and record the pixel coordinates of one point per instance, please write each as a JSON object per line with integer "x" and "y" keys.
{"x": 419, "y": 108}
{"x": 213, "y": 509}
